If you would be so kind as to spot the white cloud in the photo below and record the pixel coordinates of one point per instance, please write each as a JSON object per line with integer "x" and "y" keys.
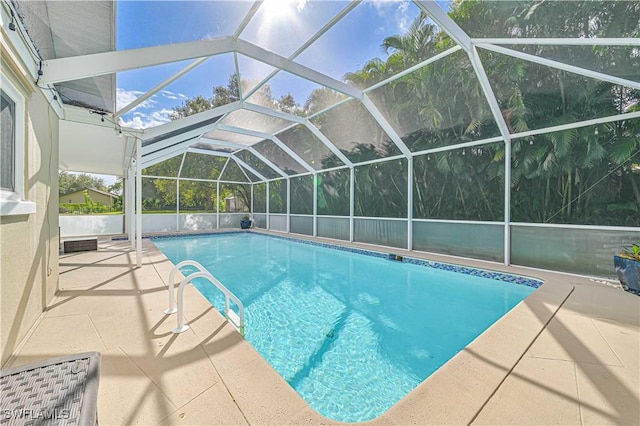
{"x": 173, "y": 96}
{"x": 151, "y": 112}
{"x": 125, "y": 97}
{"x": 394, "y": 14}
{"x": 402, "y": 17}
{"x": 142, "y": 120}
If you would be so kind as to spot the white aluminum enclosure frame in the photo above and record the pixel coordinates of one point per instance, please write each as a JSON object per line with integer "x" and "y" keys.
{"x": 176, "y": 138}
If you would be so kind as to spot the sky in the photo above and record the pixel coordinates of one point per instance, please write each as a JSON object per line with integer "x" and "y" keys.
{"x": 280, "y": 25}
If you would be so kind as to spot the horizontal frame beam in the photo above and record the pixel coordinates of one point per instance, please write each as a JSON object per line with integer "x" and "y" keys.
{"x": 85, "y": 66}
{"x": 560, "y": 65}
{"x": 559, "y": 41}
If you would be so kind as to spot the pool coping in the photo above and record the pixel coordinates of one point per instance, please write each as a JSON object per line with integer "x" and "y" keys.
{"x": 457, "y": 391}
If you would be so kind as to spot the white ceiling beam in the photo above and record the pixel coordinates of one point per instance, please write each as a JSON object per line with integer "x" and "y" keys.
{"x": 244, "y": 172}
{"x": 348, "y": 8}
{"x": 273, "y": 113}
{"x": 248, "y": 167}
{"x": 284, "y": 116}
{"x": 219, "y": 142}
{"x": 184, "y": 156}
{"x": 585, "y": 123}
{"x": 158, "y": 157}
{"x": 183, "y": 140}
{"x": 309, "y": 42}
{"x": 318, "y": 134}
{"x": 385, "y": 125}
{"x": 186, "y": 129}
{"x": 241, "y": 163}
{"x": 178, "y": 145}
{"x": 243, "y": 131}
{"x": 272, "y": 138}
{"x": 458, "y": 35}
{"x": 236, "y": 65}
{"x": 458, "y": 146}
{"x": 251, "y": 149}
{"x": 270, "y": 58}
{"x": 223, "y": 168}
{"x": 414, "y": 68}
{"x": 85, "y": 66}
{"x": 330, "y": 107}
{"x": 632, "y": 42}
{"x": 159, "y": 87}
{"x": 445, "y": 23}
{"x": 208, "y": 152}
{"x": 189, "y": 120}
{"x": 247, "y": 18}
{"x": 560, "y": 65}
{"x": 489, "y": 94}
{"x": 293, "y": 155}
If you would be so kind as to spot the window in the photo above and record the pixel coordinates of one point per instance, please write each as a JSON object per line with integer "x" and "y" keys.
{"x": 8, "y": 140}
{"x": 12, "y": 148}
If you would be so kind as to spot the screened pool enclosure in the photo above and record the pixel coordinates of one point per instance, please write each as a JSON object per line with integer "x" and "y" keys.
{"x": 507, "y": 131}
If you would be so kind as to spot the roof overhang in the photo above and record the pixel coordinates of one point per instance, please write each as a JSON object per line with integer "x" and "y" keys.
{"x": 91, "y": 146}
{"x": 59, "y": 29}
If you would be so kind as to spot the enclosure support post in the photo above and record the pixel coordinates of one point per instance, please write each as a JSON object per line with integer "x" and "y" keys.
{"x": 130, "y": 188}
{"x": 410, "y": 203}
{"x": 178, "y": 205}
{"x": 252, "y": 185}
{"x": 507, "y": 202}
{"x": 125, "y": 203}
{"x": 178, "y": 192}
{"x": 217, "y": 204}
{"x": 315, "y": 204}
{"x": 267, "y": 202}
{"x": 139, "y": 202}
{"x": 352, "y": 191}
{"x": 288, "y": 205}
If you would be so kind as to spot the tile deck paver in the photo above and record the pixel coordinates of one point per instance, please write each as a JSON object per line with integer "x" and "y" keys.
{"x": 569, "y": 354}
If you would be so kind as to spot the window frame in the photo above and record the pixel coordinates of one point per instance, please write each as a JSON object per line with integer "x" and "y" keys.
{"x": 14, "y": 202}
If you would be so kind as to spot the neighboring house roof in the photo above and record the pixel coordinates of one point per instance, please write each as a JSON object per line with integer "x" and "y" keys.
{"x": 91, "y": 190}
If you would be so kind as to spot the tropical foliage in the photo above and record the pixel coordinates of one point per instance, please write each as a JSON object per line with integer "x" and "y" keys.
{"x": 632, "y": 252}
{"x": 586, "y": 175}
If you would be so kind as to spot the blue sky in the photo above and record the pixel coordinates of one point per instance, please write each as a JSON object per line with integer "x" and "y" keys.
{"x": 280, "y": 25}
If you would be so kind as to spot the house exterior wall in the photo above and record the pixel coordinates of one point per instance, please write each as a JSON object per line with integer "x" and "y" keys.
{"x": 78, "y": 198}
{"x": 29, "y": 242}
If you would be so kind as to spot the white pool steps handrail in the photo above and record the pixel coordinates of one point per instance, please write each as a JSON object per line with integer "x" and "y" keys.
{"x": 236, "y": 319}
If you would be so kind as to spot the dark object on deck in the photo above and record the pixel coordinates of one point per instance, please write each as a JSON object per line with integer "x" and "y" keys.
{"x": 61, "y": 391}
{"x": 81, "y": 245}
{"x": 628, "y": 271}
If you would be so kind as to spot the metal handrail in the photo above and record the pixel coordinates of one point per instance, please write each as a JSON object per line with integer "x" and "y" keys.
{"x": 236, "y": 320}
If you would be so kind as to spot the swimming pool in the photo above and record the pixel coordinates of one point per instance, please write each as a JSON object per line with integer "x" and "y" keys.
{"x": 352, "y": 333}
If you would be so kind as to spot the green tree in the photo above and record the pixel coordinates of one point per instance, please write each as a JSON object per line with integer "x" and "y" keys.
{"x": 69, "y": 182}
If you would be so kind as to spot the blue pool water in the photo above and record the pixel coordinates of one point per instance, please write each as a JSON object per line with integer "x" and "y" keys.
{"x": 351, "y": 333}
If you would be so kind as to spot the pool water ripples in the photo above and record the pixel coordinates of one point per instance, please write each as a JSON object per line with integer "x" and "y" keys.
{"x": 351, "y": 333}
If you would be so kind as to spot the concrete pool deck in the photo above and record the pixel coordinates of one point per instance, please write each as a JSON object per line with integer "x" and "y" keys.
{"x": 569, "y": 353}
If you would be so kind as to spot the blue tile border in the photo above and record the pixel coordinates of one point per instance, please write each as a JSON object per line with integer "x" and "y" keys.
{"x": 500, "y": 276}
{"x": 172, "y": 236}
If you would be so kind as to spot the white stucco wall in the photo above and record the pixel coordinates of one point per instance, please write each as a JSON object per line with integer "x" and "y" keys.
{"x": 81, "y": 225}
{"x": 189, "y": 222}
{"x": 29, "y": 242}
